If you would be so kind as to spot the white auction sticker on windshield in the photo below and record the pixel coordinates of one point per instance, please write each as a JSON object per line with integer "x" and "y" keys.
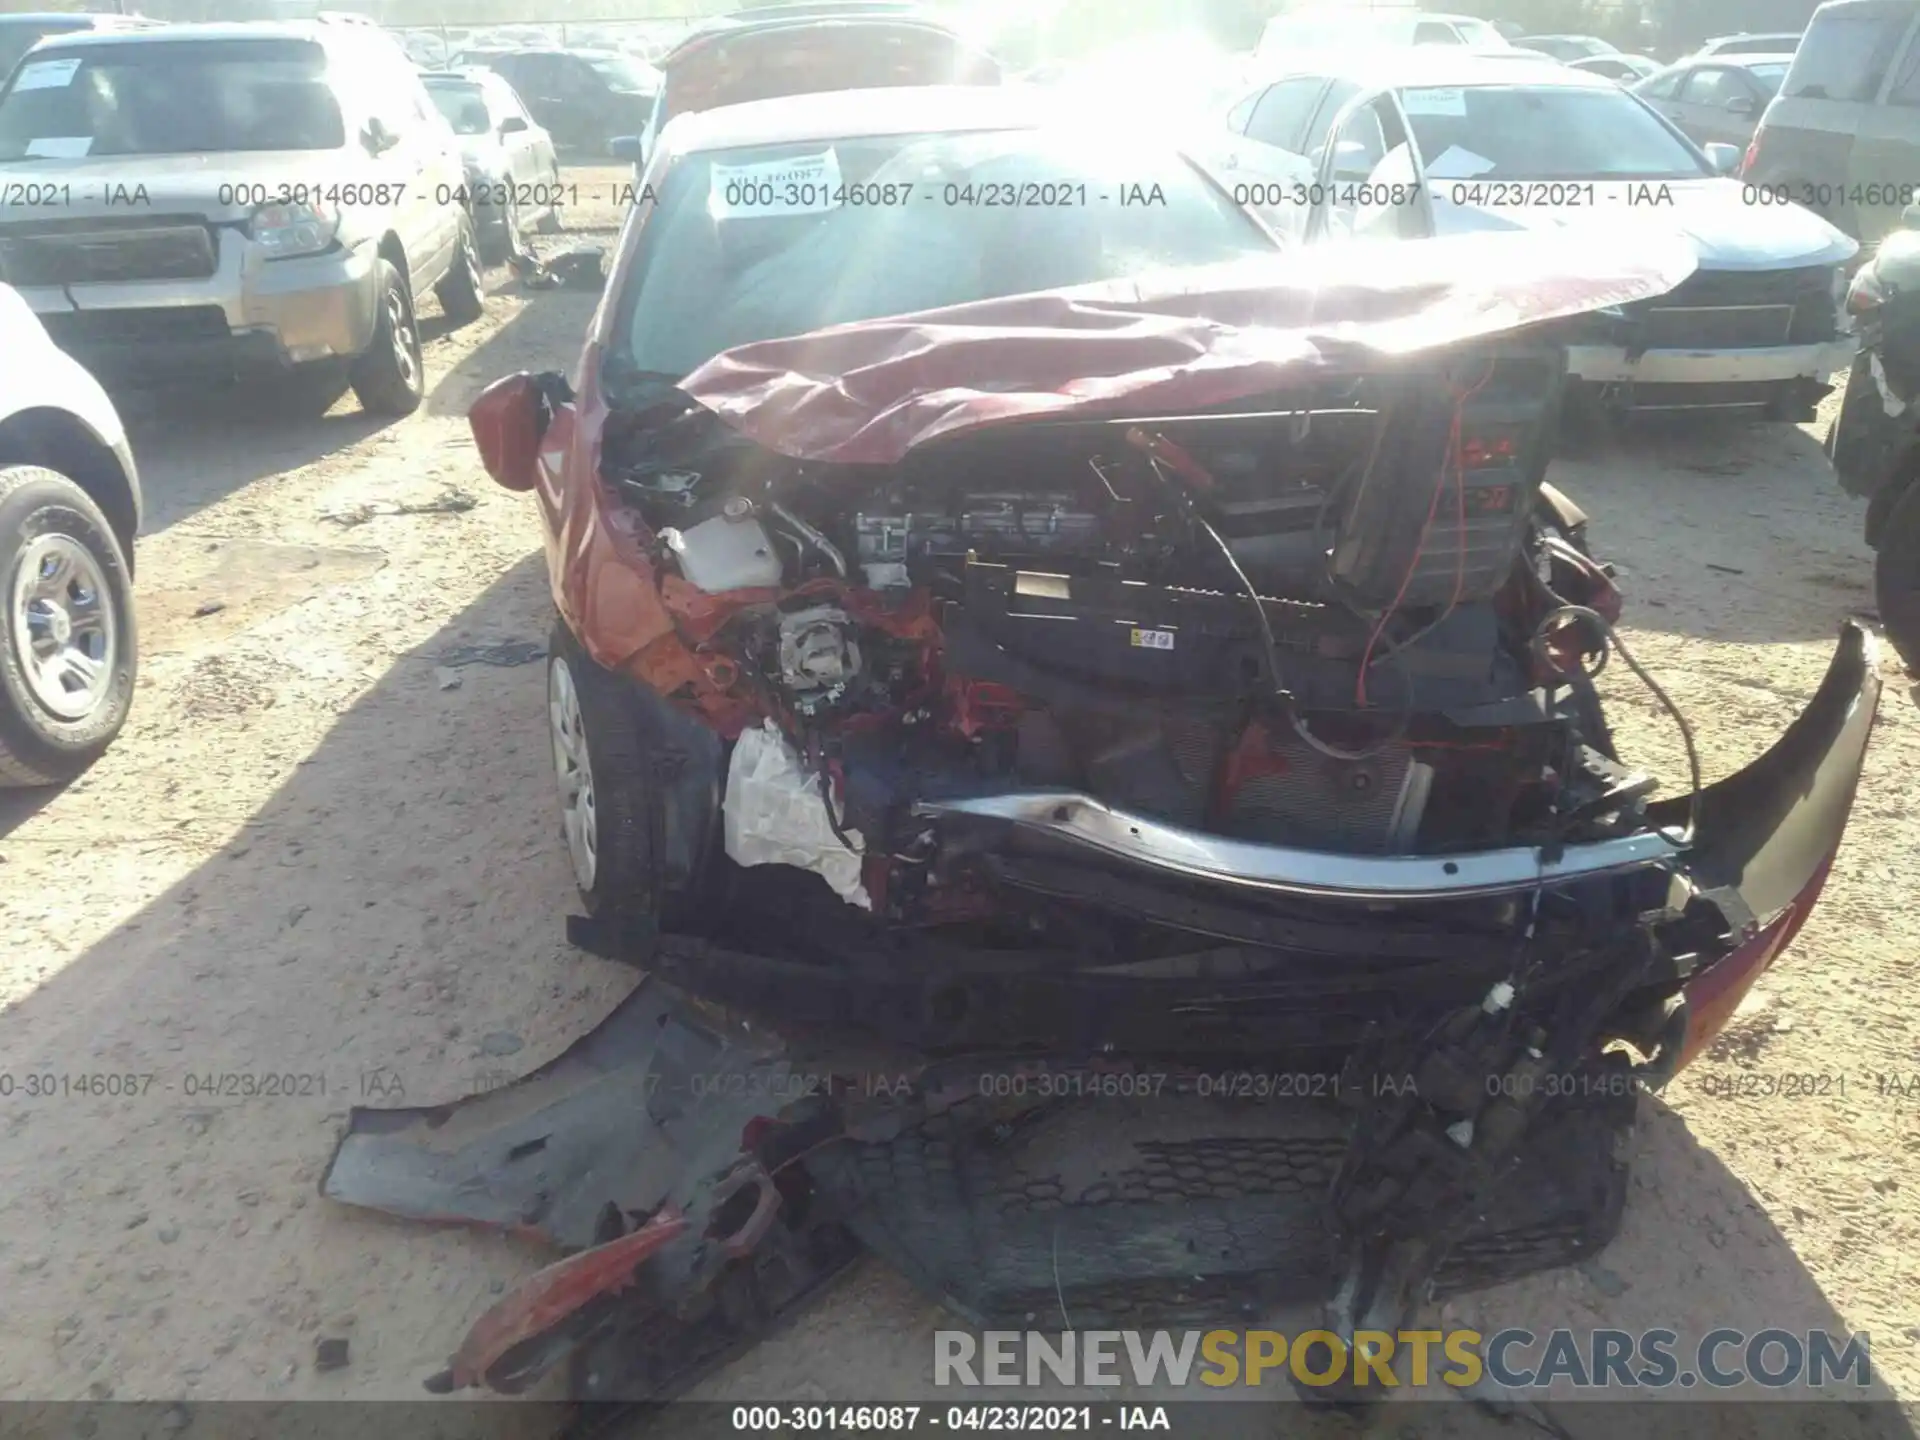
{"x": 808, "y": 185}
{"x": 59, "y": 147}
{"x": 46, "y": 75}
{"x": 1431, "y": 100}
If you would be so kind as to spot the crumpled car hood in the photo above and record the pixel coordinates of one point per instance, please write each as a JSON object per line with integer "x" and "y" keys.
{"x": 868, "y": 392}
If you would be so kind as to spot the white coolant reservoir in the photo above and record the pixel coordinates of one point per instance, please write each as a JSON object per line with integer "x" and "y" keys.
{"x": 731, "y": 551}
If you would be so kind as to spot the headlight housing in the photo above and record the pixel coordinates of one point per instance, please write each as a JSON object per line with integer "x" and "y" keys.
{"x": 294, "y": 228}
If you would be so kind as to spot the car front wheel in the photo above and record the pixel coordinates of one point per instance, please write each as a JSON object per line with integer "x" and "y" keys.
{"x": 462, "y": 292}
{"x": 390, "y": 378}
{"x": 68, "y": 647}
{"x": 1896, "y": 576}
{"x": 639, "y": 791}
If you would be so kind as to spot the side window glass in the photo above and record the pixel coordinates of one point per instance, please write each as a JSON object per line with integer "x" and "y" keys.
{"x": 1435, "y": 32}
{"x": 1906, "y": 83}
{"x": 1281, "y": 117}
{"x": 1372, "y": 174}
{"x": 1664, "y": 87}
{"x": 1338, "y": 94}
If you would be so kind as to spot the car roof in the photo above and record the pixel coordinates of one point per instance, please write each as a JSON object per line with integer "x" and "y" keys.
{"x": 728, "y": 26}
{"x": 850, "y": 114}
{"x": 1399, "y": 69}
{"x": 315, "y": 31}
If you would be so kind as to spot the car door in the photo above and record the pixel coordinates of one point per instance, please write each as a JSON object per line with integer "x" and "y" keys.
{"x": 1269, "y": 171}
{"x": 529, "y": 151}
{"x": 1716, "y": 104}
{"x": 1884, "y": 174}
{"x": 420, "y": 162}
{"x": 1368, "y": 179}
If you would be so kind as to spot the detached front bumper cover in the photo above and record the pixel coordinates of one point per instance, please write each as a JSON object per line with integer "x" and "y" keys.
{"x": 706, "y": 1178}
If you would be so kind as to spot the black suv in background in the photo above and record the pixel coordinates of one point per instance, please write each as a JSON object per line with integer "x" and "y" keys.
{"x": 583, "y": 98}
{"x": 1843, "y": 135}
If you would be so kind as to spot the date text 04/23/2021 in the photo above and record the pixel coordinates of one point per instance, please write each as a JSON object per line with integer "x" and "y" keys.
{"x": 926, "y": 1419}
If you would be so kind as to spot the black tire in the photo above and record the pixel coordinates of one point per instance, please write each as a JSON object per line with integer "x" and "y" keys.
{"x": 38, "y": 744}
{"x": 1896, "y": 576}
{"x": 498, "y": 239}
{"x": 633, "y": 741}
{"x": 551, "y": 223}
{"x": 391, "y": 378}
{"x": 461, "y": 292}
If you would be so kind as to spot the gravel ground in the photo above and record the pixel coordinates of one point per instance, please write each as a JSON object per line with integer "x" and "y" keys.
{"x": 324, "y": 849}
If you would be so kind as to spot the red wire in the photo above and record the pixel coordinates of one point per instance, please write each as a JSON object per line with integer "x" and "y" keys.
{"x": 1454, "y": 447}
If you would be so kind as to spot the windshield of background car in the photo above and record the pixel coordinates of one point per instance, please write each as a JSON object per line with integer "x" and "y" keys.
{"x": 1519, "y": 132}
{"x": 1844, "y": 54}
{"x": 747, "y": 244}
{"x": 622, "y": 74}
{"x": 811, "y": 59}
{"x": 170, "y": 98}
{"x": 464, "y": 105}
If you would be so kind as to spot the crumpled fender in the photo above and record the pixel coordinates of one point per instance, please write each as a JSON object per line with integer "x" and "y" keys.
{"x": 674, "y": 1082}
{"x": 1769, "y": 832}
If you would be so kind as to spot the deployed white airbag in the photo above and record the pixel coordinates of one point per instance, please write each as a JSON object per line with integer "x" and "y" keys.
{"x": 775, "y": 815}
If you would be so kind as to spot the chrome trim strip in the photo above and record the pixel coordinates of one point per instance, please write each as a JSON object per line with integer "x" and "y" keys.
{"x": 1082, "y": 819}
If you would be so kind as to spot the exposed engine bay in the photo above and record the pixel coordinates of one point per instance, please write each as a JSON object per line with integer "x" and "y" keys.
{"x": 970, "y": 718}
{"x": 1336, "y": 619}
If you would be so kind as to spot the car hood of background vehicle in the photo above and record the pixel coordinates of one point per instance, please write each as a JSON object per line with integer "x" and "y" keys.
{"x": 1728, "y": 233}
{"x": 869, "y": 392}
{"x": 174, "y": 184}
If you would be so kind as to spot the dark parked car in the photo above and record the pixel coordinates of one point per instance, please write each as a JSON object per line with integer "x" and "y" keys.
{"x": 968, "y": 653}
{"x": 20, "y": 33}
{"x": 583, "y": 98}
{"x": 1875, "y": 439}
{"x": 1843, "y": 135}
{"x": 1717, "y": 100}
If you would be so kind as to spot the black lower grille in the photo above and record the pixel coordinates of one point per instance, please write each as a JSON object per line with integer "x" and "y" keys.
{"x": 151, "y": 325}
{"x": 1741, "y": 309}
{"x": 95, "y": 251}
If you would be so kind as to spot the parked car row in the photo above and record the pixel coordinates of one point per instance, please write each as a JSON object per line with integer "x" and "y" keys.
{"x": 322, "y": 192}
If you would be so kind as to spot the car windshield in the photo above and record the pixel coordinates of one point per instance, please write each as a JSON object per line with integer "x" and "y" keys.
{"x": 170, "y": 98}
{"x": 1543, "y": 133}
{"x": 464, "y": 105}
{"x": 769, "y": 241}
{"x": 623, "y": 74}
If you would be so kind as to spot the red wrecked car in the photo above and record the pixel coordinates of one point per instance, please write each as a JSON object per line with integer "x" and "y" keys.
{"x": 1025, "y": 641}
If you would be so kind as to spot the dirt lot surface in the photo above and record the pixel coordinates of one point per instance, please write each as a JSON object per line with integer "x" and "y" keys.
{"x": 326, "y": 850}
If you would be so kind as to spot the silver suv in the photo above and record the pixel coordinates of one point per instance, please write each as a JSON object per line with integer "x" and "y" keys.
{"x": 235, "y": 200}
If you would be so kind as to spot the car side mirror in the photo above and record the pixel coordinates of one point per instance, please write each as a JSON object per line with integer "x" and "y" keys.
{"x": 1724, "y": 159}
{"x": 377, "y": 139}
{"x": 506, "y": 429}
{"x": 1351, "y": 162}
{"x": 512, "y": 125}
{"x": 1740, "y": 105}
{"x": 626, "y": 147}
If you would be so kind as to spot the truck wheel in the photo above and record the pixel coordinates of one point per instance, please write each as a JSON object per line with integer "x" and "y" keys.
{"x": 639, "y": 791}
{"x": 461, "y": 292}
{"x": 68, "y": 644}
{"x": 1896, "y": 576}
{"x": 391, "y": 378}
